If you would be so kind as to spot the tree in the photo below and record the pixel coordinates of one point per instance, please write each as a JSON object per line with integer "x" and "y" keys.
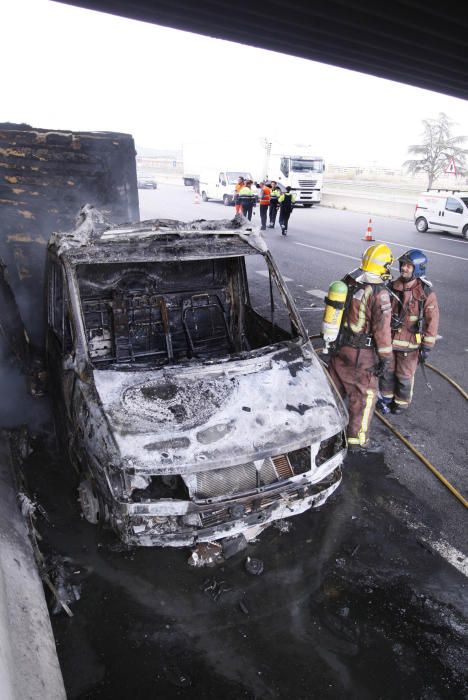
{"x": 438, "y": 147}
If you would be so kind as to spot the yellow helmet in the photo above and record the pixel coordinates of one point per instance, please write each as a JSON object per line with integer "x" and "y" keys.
{"x": 377, "y": 260}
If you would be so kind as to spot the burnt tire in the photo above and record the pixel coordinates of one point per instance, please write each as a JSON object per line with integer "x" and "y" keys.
{"x": 89, "y": 502}
{"x": 204, "y": 197}
{"x": 421, "y": 224}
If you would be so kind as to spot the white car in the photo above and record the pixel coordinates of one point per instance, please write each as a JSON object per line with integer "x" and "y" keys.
{"x": 442, "y": 210}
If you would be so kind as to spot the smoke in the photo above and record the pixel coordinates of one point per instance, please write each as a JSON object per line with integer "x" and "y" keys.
{"x": 17, "y": 406}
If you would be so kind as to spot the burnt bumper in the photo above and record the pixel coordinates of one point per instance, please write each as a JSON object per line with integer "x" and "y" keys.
{"x": 184, "y": 523}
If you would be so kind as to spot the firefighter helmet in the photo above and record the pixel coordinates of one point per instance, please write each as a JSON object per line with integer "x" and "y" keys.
{"x": 417, "y": 259}
{"x": 377, "y": 260}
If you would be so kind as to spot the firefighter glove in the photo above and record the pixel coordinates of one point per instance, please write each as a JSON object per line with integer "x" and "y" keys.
{"x": 423, "y": 354}
{"x": 381, "y": 367}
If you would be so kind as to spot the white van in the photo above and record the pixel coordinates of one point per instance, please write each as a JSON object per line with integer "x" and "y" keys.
{"x": 442, "y": 210}
{"x": 220, "y": 184}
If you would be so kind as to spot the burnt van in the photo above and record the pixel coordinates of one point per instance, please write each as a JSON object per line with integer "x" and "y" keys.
{"x": 188, "y": 395}
{"x": 442, "y": 210}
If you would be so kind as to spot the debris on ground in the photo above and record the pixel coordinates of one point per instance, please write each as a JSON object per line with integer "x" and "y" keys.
{"x": 243, "y": 607}
{"x": 206, "y": 554}
{"x": 214, "y": 588}
{"x": 283, "y": 526}
{"x": 177, "y": 677}
{"x": 253, "y": 566}
{"x": 66, "y": 591}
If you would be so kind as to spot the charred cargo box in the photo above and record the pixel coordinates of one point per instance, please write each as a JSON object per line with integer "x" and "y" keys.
{"x": 193, "y": 407}
{"x": 46, "y": 176}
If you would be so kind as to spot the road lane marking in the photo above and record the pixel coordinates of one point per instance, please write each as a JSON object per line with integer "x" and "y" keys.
{"x": 334, "y": 252}
{"x": 453, "y": 240}
{"x": 317, "y": 293}
{"x": 325, "y": 250}
{"x": 452, "y": 555}
{"x": 426, "y": 250}
{"x": 264, "y": 273}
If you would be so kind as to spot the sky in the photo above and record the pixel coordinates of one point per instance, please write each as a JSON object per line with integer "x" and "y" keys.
{"x": 69, "y": 68}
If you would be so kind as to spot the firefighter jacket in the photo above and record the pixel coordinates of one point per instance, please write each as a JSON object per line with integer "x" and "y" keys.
{"x": 366, "y": 319}
{"x": 415, "y": 315}
{"x": 265, "y": 198}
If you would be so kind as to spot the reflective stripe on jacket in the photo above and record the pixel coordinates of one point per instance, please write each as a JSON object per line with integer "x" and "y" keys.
{"x": 275, "y": 194}
{"x": 414, "y": 297}
{"x": 286, "y": 200}
{"x": 265, "y": 199}
{"x": 247, "y": 195}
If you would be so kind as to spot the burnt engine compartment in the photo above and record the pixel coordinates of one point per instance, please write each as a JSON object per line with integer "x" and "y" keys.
{"x": 160, "y": 312}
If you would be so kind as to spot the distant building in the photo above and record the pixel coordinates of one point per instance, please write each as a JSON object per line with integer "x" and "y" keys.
{"x": 159, "y": 160}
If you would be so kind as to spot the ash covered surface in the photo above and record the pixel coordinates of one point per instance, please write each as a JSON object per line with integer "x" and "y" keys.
{"x": 350, "y": 604}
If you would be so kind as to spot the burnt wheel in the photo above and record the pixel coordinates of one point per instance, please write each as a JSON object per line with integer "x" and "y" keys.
{"x": 89, "y": 502}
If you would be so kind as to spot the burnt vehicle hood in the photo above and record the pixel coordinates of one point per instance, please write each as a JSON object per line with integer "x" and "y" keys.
{"x": 197, "y": 417}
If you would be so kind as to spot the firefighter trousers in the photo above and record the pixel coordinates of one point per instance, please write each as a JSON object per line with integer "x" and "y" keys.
{"x": 397, "y": 382}
{"x": 352, "y": 371}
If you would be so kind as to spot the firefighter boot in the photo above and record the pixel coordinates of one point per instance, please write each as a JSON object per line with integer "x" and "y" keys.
{"x": 371, "y": 447}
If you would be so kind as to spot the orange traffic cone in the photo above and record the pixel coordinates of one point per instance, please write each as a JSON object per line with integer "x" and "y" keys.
{"x": 368, "y": 236}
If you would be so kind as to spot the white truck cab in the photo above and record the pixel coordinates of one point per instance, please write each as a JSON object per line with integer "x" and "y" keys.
{"x": 442, "y": 210}
{"x": 219, "y": 184}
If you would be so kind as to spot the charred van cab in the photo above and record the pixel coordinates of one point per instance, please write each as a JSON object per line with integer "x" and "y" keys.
{"x": 192, "y": 403}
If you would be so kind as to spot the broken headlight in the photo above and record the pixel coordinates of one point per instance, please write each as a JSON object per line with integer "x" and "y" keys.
{"x": 329, "y": 448}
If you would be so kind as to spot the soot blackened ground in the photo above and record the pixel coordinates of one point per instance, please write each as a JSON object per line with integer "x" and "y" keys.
{"x": 349, "y": 605}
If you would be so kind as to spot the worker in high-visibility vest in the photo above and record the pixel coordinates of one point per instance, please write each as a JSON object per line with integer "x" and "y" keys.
{"x": 247, "y": 199}
{"x": 239, "y": 185}
{"x": 264, "y": 203}
{"x": 286, "y": 205}
{"x": 275, "y": 194}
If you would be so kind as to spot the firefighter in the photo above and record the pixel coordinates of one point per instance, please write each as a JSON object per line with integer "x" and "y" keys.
{"x": 247, "y": 199}
{"x": 264, "y": 203}
{"x": 286, "y": 204}
{"x": 415, "y": 322}
{"x": 363, "y": 347}
{"x": 239, "y": 185}
{"x": 275, "y": 194}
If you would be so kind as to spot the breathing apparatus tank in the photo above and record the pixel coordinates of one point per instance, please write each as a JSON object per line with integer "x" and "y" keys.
{"x": 333, "y": 313}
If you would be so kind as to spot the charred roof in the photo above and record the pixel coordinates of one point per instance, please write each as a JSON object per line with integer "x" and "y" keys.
{"x": 97, "y": 240}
